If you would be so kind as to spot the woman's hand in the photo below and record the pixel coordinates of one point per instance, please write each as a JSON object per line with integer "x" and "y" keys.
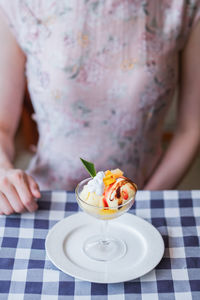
{"x": 17, "y": 192}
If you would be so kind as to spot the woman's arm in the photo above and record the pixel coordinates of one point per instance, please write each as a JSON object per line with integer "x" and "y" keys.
{"x": 186, "y": 140}
{"x": 12, "y": 63}
{"x": 17, "y": 189}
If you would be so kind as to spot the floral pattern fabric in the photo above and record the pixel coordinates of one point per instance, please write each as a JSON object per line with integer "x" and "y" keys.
{"x": 101, "y": 75}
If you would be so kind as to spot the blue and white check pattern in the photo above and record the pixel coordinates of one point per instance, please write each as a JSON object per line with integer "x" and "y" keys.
{"x": 26, "y": 273}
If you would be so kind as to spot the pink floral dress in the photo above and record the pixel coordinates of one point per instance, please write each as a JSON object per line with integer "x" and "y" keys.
{"x": 101, "y": 76}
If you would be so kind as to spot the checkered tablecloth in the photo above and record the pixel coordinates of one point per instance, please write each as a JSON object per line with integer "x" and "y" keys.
{"x": 26, "y": 272}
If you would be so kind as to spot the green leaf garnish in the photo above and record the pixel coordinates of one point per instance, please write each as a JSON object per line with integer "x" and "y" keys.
{"x": 89, "y": 167}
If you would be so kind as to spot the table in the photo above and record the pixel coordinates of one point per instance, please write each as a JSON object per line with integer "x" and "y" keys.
{"x": 26, "y": 272}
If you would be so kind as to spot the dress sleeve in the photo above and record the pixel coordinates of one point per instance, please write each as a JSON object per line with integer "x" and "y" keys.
{"x": 191, "y": 16}
{"x": 9, "y": 10}
{"x": 23, "y": 18}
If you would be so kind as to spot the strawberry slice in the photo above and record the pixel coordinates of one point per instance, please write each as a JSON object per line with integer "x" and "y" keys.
{"x": 125, "y": 194}
{"x": 105, "y": 203}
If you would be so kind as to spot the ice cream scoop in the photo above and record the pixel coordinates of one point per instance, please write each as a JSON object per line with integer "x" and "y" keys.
{"x": 116, "y": 191}
{"x": 119, "y": 192}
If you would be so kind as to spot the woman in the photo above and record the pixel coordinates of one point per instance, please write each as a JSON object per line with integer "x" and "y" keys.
{"x": 101, "y": 75}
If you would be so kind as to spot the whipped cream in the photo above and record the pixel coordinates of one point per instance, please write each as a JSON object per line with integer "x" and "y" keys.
{"x": 96, "y": 185}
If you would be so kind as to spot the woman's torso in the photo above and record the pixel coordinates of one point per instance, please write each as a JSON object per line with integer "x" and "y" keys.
{"x": 101, "y": 76}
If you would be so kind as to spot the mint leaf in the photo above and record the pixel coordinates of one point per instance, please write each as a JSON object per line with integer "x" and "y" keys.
{"x": 89, "y": 167}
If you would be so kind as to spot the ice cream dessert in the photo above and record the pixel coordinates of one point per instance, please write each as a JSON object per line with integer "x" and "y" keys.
{"x": 107, "y": 193}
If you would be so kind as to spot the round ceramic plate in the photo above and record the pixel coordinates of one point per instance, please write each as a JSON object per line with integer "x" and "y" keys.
{"x": 145, "y": 248}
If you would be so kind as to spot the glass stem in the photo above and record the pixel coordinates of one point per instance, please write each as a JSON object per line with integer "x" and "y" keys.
{"x": 104, "y": 232}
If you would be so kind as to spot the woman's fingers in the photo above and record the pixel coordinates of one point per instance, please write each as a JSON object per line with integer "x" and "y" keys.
{"x": 5, "y": 207}
{"x": 17, "y": 192}
{"x": 33, "y": 187}
{"x": 12, "y": 196}
{"x": 25, "y": 193}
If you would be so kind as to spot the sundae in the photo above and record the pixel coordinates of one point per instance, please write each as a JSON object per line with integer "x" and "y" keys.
{"x": 107, "y": 193}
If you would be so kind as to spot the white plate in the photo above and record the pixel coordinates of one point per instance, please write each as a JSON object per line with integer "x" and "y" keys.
{"x": 145, "y": 248}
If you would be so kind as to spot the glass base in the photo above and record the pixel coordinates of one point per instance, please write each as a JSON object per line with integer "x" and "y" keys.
{"x": 99, "y": 249}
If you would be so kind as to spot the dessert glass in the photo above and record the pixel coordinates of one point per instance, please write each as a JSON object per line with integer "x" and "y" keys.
{"x": 103, "y": 246}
